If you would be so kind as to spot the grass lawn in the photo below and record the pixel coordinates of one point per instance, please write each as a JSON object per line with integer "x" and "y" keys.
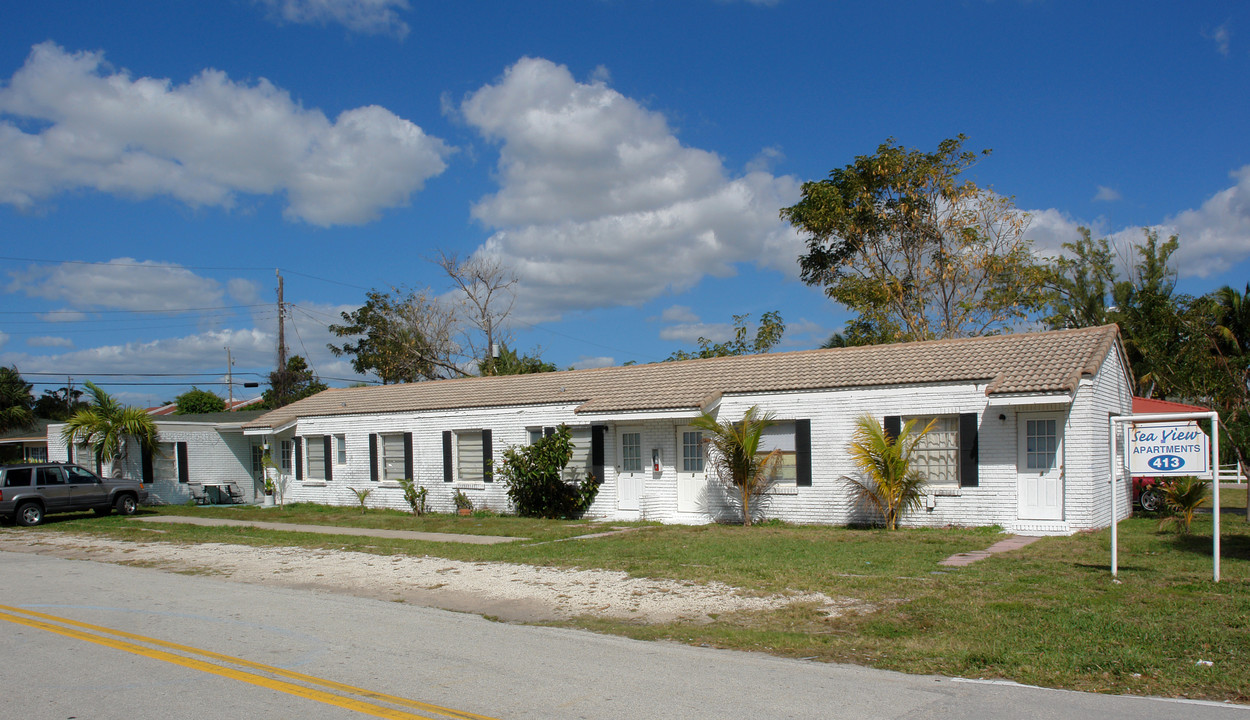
{"x": 1048, "y": 614}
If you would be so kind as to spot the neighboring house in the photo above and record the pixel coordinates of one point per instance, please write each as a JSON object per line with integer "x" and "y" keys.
{"x": 208, "y": 450}
{"x": 1021, "y": 441}
{"x": 172, "y": 408}
{"x": 25, "y": 444}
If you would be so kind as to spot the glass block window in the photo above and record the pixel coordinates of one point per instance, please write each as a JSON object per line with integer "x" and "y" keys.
{"x": 692, "y": 451}
{"x": 631, "y": 452}
{"x": 937, "y": 453}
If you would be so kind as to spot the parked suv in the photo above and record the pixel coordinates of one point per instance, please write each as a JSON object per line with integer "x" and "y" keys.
{"x": 28, "y": 491}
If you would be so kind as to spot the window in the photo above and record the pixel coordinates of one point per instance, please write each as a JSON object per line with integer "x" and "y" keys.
{"x": 165, "y": 462}
{"x": 692, "y": 451}
{"x": 340, "y": 447}
{"x": 316, "y": 457}
{"x": 780, "y": 437}
{"x": 1042, "y": 444}
{"x": 18, "y": 477}
{"x": 937, "y": 453}
{"x": 78, "y": 476}
{"x": 286, "y": 456}
{"x": 258, "y": 461}
{"x": 469, "y": 456}
{"x": 535, "y": 434}
{"x": 393, "y": 457}
{"x": 631, "y": 452}
{"x": 49, "y": 476}
{"x": 36, "y": 454}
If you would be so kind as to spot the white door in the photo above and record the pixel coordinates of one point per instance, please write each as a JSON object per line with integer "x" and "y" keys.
{"x": 631, "y": 470}
{"x": 1040, "y": 468}
{"x": 691, "y": 476}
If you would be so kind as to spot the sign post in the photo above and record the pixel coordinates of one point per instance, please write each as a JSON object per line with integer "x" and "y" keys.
{"x": 1168, "y": 444}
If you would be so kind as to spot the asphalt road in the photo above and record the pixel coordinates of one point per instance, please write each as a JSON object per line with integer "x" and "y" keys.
{"x": 88, "y": 640}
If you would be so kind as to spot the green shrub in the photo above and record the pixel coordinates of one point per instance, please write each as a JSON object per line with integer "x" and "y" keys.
{"x": 415, "y": 496}
{"x": 1182, "y": 497}
{"x": 462, "y": 501}
{"x": 534, "y": 476}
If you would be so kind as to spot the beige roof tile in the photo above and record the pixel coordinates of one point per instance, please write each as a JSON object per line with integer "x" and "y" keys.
{"x": 1017, "y": 363}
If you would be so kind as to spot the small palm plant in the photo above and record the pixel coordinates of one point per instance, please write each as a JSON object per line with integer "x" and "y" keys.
{"x": 1183, "y": 496}
{"x": 740, "y": 465}
{"x": 889, "y": 485}
{"x": 361, "y": 496}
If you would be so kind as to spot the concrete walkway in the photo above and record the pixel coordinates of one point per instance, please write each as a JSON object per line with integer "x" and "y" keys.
{"x": 1015, "y": 542}
{"x": 331, "y": 530}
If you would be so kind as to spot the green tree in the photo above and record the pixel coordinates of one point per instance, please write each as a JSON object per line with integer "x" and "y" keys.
{"x": 1079, "y": 284}
{"x": 1158, "y": 326}
{"x": 534, "y": 476}
{"x": 295, "y": 382}
{"x": 860, "y": 331}
{"x": 16, "y": 402}
{"x": 107, "y": 427}
{"x": 509, "y": 362}
{"x": 904, "y": 242}
{"x": 400, "y": 336}
{"x": 767, "y": 336}
{"x": 196, "y": 401}
{"x": 741, "y": 467}
{"x": 1231, "y": 356}
{"x": 59, "y": 404}
{"x": 888, "y": 484}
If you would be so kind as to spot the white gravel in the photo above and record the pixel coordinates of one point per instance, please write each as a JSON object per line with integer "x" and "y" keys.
{"x": 504, "y": 590}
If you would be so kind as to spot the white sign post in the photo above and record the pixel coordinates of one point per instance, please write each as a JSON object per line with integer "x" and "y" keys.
{"x": 1167, "y": 444}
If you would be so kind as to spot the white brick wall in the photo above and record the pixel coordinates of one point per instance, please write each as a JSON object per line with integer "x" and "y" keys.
{"x": 832, "y": 415}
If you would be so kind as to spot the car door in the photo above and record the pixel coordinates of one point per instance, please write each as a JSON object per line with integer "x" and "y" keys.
{"x": 85, "y": 489}
{"x": 51, "y": 485}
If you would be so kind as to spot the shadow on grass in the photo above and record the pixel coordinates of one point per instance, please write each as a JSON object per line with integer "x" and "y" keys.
{"x": 1236, "y": 547}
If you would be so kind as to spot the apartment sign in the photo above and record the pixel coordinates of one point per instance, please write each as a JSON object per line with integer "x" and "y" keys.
{"x": 1169, "y": 448}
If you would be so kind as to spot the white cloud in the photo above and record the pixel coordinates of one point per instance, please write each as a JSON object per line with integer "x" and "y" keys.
{"x": 60, "y": 316}
{"x": 584, "y": 362}
{"x": 1106, "y": 194}
{"x": 4, "y": 338}
{"x": 765, "y": 159}
{"x": 244, "y": 292}
{"x": 370, "y": 17}
{"x": 600, "y": 204}
{"x": 1220, "y": 36}
{"x": 678, "y": 314}
{"x": 193, "y": 353}
{"x": 203, "y": 142}
{"x": 120, "y": 284}
{"x": 1213, "y": 237}
{"x": 691, "y": 332}
{"x": 49, "y": 341}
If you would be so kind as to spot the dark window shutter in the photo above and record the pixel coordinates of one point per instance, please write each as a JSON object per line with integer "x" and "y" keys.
{"x": 488, "y": 451}
{"x": 408, "y": 474}
{"x": 893, "y": 426}
{"x": 147, "y": 465}
{"x": 299, "y": 458}
{"x": 184, "y": 469}
{"x": 549, "y": 431}
{"x": 447, "y": 456}
{"x": 968, "y": 450}
{"x": 327, "y": 442}
{"x": 69, "y": 450}
{"x": 373, "y": 457}
{"x": 803, "y": 453}
{"x": 597, "y": 433}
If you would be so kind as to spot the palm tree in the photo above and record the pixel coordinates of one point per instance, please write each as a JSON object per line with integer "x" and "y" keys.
{"x": 889, "y": 484}
{"x": 1183, "y": 496}
{"x": 15, "y": 401}
{"x": 736, "y": 455}
{"x": 105, "y": 424}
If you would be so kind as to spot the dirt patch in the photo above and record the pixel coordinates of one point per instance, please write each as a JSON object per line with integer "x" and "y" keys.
{"x": 503, "y": 590}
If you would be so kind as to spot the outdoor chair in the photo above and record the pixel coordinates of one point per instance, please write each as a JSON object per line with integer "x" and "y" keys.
{"x": 235, "y": 493}
{"x": 198, "y": 494}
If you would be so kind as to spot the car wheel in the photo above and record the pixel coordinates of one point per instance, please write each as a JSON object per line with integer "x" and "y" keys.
{"x": 126, "y": 505}
{"x": 29, "y": 514}
{"x": 1150, "y": 500}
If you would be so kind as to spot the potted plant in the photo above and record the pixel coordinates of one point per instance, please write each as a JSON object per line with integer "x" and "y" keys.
{"x": 464, "y": 505}
{"x": 268, "y": 467}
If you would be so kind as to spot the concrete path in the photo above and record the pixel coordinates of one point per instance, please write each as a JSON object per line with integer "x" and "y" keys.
{"x": 331, "y": 530}
{"x": 1015, "y": 542}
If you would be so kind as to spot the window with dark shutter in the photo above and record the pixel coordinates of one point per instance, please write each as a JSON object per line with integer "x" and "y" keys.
{"x": 448, "y": 470}
{"x": 803, "y": 453}
{"x": 488, "y": 473}
{"x": 408, "y": 473}
{"x": 327, "y": 455}
{"x": 147, "y": 466}
{"x": 373, "y": 457}
{"x": 299, "y": 458}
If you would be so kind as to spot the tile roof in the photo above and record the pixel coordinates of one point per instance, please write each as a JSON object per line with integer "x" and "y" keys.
{"x": 1043, "y": 362}
{"x": 1151, "y": 405}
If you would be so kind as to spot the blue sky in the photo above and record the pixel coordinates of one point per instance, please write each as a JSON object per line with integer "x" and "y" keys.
{"x": 158, "y": 160}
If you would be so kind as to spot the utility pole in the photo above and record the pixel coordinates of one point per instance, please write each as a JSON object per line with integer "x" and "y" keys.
{"x": 230, "y": 378}
{"x": 279, "y": 392}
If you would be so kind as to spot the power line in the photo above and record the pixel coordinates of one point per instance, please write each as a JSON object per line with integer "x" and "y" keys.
{"x": 167, "y": 311}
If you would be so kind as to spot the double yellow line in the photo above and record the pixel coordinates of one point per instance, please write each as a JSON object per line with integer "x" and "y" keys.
{"x": 305, "y": 686}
